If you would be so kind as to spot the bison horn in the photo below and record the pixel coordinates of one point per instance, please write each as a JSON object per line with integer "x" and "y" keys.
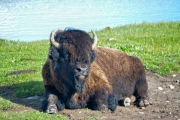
{"x": 53, "y": 42}
{"x": 95, "y": 39}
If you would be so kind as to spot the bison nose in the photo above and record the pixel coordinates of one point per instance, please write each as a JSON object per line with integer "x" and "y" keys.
{"x": 79, "y": 69}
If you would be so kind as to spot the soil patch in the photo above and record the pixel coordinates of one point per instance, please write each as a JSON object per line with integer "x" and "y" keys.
{"x": 21, "y": 72}
{"x": 164, "y": 93}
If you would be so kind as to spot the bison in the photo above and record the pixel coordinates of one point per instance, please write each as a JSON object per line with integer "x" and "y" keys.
{"x": 78, "y": 74}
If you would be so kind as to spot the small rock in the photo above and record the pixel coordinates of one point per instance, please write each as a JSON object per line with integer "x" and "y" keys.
{"x": 140, "y": 112}
{"x": 103, "y": 118}
{"x": 156, "y": 110}
{"x": 160, "y": 88}
{"x": 107, "y": 28}
{"x": 174, "y": 75}
{"x": 177, "y": 81}
{"x": 171, "y": 86}
{"x": 111, "y": 39}
{"x": 142, "y": 108}
{"x": 32, "y": 98}
{"x": 70, "y": 116}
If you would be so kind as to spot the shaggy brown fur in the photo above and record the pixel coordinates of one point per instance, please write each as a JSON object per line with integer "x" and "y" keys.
{"x": 111, "y": 77}
{"x": 125, "y": 73}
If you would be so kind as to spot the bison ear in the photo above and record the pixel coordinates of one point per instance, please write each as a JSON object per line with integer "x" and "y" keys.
{"x": 95, "y": 39}
{"x": 93, "y": 56}
{"x": 53, "y": 41}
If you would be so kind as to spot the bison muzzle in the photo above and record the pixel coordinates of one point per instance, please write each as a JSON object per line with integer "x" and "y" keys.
{"x": 78, "y": 74}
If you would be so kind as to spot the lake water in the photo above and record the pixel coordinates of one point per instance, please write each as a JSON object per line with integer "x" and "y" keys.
{"x": 31, "y": 20}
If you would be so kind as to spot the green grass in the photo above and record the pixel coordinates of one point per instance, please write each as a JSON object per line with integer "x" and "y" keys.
{"x": 6, "y": 104}
{"x": 22, "y": 56}
{"x": 156, "y": 44}
{"x": 35, "y": 115}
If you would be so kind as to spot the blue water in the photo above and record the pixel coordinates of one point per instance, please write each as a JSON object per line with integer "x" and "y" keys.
{"x": 31, "y": 20}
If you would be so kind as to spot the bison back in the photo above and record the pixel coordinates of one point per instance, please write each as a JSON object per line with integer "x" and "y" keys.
{"x": 122, "y": 71}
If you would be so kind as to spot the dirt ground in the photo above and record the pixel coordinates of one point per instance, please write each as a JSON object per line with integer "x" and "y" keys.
{"x": 164, "y": 93}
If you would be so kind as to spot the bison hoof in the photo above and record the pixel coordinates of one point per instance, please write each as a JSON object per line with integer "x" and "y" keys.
{"x": 127, "y": 102}
{"x": 143, "y": 103}
{"x": 52, "y": 109}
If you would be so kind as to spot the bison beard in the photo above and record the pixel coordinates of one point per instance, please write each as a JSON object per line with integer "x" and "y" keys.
{"x": 73, "y": 78}
{"x": 79, "y": 83}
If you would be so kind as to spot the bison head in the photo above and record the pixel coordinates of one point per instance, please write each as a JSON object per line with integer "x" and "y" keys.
{"x": 72, "y": 52}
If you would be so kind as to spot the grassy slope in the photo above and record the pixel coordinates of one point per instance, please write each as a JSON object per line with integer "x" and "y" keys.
{"x": 13, "y": 57}
{"x": 157, "y": 44}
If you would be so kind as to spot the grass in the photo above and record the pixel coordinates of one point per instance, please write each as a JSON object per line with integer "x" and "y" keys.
{"x": 6, "y": 104}
{"x": 34, "y": 115}
{"x": 156, "y": 44}
{"x": 92, "y": 118}
{"x": 22, "y": 56}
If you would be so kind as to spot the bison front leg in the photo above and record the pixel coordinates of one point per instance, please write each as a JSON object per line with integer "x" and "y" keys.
{"x": 104, "y": 101}
{"x": 52, "y": 103}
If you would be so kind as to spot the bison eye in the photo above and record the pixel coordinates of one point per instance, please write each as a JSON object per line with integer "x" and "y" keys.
{"x": 64, "y": 56}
